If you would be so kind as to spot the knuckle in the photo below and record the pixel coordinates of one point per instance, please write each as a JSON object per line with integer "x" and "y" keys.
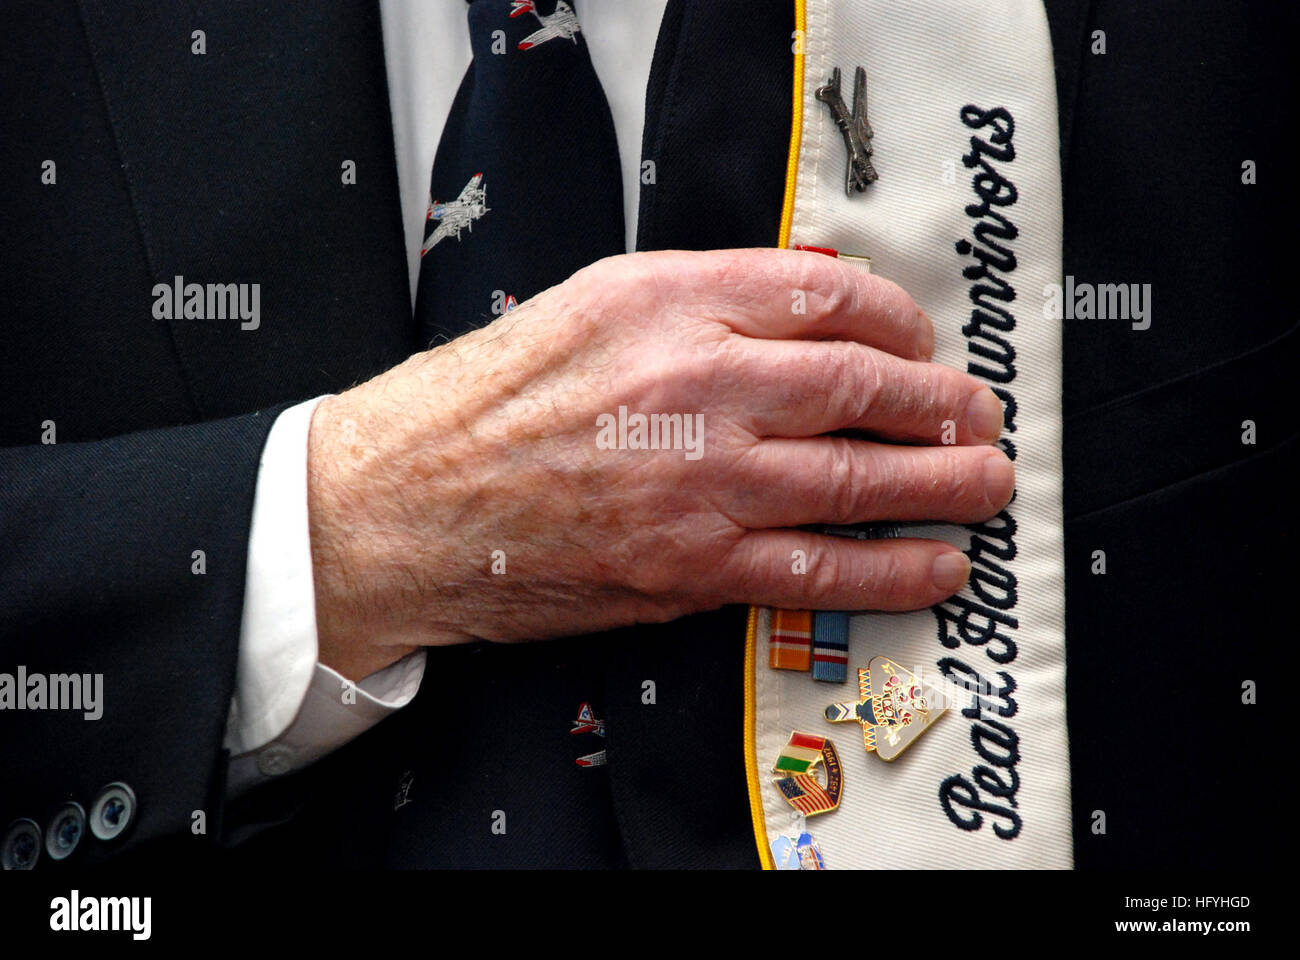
{"x": 743, "y": 576}
{"x": 832, "y": 376}
{"x": 748, "y": 583}
{"x": 835, "y": 300}
{"x": 867, "y": 383}
{"x": 731, "y": 363}
{"x": 596, "y": 276}
{"x": 822, "y": 582}
{"x": 842, "y": 478}
{"x": 830, "y": 294}
{"x": 678, "y": 380}
{"x": 631, "y": 286}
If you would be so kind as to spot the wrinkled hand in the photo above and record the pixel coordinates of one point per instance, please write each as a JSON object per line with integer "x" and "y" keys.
{"x": 499, "y": 441}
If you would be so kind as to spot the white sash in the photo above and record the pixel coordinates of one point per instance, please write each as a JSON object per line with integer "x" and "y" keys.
{"x": 989, "y": 784}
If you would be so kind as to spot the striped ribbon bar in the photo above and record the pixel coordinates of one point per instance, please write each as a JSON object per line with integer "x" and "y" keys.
{"x": 791, "y": 646}
{"x": 830, "y": 659}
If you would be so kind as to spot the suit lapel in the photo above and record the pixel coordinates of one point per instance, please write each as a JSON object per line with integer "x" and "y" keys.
{"x": 1068, "y": 22}
{"x": 234, "y": 158}
{"x": 675, "y": 691}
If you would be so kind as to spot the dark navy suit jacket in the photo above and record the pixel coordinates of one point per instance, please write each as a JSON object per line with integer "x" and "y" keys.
{"x": 226, "y": 167}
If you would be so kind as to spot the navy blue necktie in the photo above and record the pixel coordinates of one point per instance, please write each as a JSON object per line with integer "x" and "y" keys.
{"x": 526, "y": 186}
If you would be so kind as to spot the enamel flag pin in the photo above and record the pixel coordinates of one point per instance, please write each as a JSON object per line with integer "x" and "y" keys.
{"x": 587, "y": 723}
{"x": 855, "y": 127}
{"x": 797, "y": 853}
{"x": 797, "y": 775}
{"x": 796, "y": 849}
{"x": 893, "y": 706}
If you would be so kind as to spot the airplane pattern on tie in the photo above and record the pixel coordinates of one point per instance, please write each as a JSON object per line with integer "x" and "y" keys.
{"x": 456, "y": 215}
{"x": 562, "y": 24}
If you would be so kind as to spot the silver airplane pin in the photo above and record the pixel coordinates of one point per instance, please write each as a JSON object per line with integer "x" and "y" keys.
{"x": 855, "y": 127}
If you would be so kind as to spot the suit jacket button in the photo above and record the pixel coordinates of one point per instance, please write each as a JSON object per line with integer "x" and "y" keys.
{"x": 112, "y": 811}
{"x": 21, "y": 847}
{"x": 65, "y": 831}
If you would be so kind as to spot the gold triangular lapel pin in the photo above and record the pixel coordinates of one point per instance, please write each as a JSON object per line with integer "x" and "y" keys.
{"x": 894, "y": 707}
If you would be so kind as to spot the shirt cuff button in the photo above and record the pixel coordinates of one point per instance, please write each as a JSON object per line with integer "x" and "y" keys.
{"x": 275, "y": 760}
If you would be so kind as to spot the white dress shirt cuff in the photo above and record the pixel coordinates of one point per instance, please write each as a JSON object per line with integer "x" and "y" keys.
{"x": 333, "y": 712}
{"x": 288, "y": 710}
{"x": 277, "y": 636}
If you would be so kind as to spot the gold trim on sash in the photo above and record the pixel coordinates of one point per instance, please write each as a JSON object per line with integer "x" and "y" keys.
{"x": 751, "y": 629}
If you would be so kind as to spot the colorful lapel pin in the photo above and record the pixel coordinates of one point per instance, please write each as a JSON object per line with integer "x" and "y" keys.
{"x": 797, "y": 774}
{"x": 797, "y": 853}
{"x": 587, "y": 723}
{"x": 893, "y": 706}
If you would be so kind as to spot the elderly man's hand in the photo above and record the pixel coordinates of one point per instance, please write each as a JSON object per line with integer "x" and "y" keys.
{"x": 479, "y": 490}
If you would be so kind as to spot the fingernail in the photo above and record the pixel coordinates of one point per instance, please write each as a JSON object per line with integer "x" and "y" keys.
{"x": 927, "y": 336}
{"x": 999, "y": 480}
{"x": 951, "y": 571}
{"x": 984, "y": 415}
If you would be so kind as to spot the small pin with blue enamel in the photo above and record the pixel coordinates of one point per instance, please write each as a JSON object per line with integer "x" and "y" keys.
{"x": 797, "y": 853}
{"x": 854, "y": 126}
